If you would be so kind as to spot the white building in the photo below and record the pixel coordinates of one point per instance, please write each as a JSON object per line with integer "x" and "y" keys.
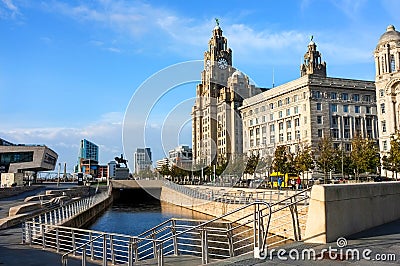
{"x": 142, "y": 158}
{"x": 111, "y": 169}
{"x": 387, "y": 80}
{"x": 304, "y": 110}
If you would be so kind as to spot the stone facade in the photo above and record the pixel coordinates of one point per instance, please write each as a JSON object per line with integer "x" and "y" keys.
{"x": 387, "y": 80}
{"x": 306, "y": 109}
{"x": 216, "y": 123}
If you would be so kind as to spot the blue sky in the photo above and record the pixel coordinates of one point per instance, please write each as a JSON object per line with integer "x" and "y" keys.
{"x": 68, "y": 69}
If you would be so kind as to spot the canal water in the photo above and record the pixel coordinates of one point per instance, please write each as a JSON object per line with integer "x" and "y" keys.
{"x": 134, "y": 217}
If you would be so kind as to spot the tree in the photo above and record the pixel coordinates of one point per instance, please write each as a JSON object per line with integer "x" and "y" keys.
{"x": 326, "y": 156}
{"x": 251, "y": 164}
{"x": 283, "y": 160}
{"x": 303, "y": 161}
{"x": 391, "y": 161}
{"x": 364, "y": 156}
{"x": 164, "y": 170}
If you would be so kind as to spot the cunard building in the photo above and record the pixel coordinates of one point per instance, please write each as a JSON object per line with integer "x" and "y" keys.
{"x": 216, "y": 122}
{"x": 309, "y": 108}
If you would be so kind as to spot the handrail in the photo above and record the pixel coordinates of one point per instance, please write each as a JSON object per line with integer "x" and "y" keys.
{"x": 64, "y": 256}
{"x": 220, "y": 217}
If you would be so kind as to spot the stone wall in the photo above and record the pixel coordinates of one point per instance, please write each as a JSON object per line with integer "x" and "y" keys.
{"x": 281, "y": 222}
{"x": 12, "y": 191}
{"x": 341, "y": 210}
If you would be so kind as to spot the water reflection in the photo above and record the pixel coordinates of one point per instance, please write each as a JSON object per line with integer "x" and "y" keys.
{"x": 135, "y": 218}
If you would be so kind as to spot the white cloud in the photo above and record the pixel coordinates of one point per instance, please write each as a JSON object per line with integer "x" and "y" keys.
{"x": 106, "y": 132}
{"x": 8, "y": 9}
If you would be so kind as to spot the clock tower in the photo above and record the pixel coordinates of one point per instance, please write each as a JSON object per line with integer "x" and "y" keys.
{"x": 217, "y": 69}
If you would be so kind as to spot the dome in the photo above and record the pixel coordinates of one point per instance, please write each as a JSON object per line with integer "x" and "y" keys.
{"x": 390, "y": 35}
{"x": 238, "y": 73}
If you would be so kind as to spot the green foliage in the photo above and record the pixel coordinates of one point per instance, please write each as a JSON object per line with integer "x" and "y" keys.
{"x": 303, "y": 160}
{"x": 251, "y": 164}
{"x": 283, "y": 160}
{"x": 326, "y": 155}
{"x": 391, "y": 161}
{"x": 364, "y": 155}
{"x": 164, "y": 171}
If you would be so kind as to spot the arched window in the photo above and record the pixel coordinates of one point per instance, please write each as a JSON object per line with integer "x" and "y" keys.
{"x": 392, "y": 64}
{"x": 383, "y": 64}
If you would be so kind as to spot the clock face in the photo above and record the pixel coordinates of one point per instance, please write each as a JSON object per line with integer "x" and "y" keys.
{"x": 208, "y": 65}
{"x": 222, "y": 63}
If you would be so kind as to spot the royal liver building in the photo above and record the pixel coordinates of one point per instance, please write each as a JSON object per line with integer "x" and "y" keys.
{"x": 216, "y": 124}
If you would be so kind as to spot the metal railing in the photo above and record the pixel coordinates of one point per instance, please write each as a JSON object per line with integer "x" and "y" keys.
{"x": 253, "y": 227}
{"x": 64, "y": 212}
{"x": 234, "y": 196}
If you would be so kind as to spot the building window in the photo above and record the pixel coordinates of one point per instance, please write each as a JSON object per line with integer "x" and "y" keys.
{"x": 289, "y": 136}
{"x": 271, "y": 117}
{"x": 382, "y": 108}
{"x": 297, "y": 122}
{"x": 357, "y": 109}
{"x": 281, "y": 126}
{"x": 271, "y": 106}
{"x": 335, "y": 133}
{"x": 367, "y": 109}
{"x": 297, "y": 134}
{"x": 346, "y": 121}
{"x": 317, "y": 94}
{"x": 320, "y": 133}
{"x": 346, "y": 133}
{"x": 385, "y": 147}
{"x": 287, "y": 112}
{"x": 258, "y": 131}
{"x": 262, "y": 108}
{"x": 287, "y": 100}
{"x": 279, "y": 103}
{"x": 296, "y": 109}
{"x": 334, "y": 120}
{"x": 319, "y": 120}
{"x": 319, "y": 106}
{"x": 383, "y": 126}
{"x": 305, "y": 120}
{"x": 256, "y": 111}
{"x": 272, "y": 128}
{"x": 356, "y": 97}
{"x": 295, "y": 98}
{"x": 280, "y": 114}
{"x": 368, "y": 121}
{"x": 333, "y": 107}
{"x": 251, "y": 132}
{"x": 333, "y": 95}
{"x": 281, "y": 137}
{"x": 367, "y": 98}
{"x": 345, "y": 96}
{"x": 289, "y": 124}
{"x": 272, "y": 139}
{"x": 263, "y": 118}
{"x": 345, "y": 108}
{"x": 264, "y": 130}
{"x": 251, "y": 143}
{"x": 392, "y": 64}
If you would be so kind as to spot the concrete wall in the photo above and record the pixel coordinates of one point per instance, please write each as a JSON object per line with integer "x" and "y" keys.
{"x": 12, "y": 191}
{"x": 86, "y": 217}
{"x": 341, "y": 210}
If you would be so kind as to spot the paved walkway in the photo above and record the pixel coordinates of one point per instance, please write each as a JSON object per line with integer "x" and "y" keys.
{"x": 381, "y": 246}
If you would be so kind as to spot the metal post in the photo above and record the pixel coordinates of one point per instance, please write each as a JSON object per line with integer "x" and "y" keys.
{"x": 73, "y": 242}
{"x": 30, "y": 233}
{"x": 104, "y": 250}
{"x": 112, "y": 249}
{"x": 91, "y": 246}
{"x": 43, "y": 236}
{"x": 57, "y": 240}
{"x": 45, "y": 217}
{"x": 84, "y": 256}
{"x": 204, "y": 247}
{"x": 135, "y": 248}
{"x": 174, "y": 238}
{"x": 153, "y": 234}
{"x": 130, "y": 259}
{"x": 160, "y": 254}
{"x": 230, "y": 240}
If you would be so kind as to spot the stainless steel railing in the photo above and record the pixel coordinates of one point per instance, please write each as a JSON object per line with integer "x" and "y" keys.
{"x": 252, "y": 228}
